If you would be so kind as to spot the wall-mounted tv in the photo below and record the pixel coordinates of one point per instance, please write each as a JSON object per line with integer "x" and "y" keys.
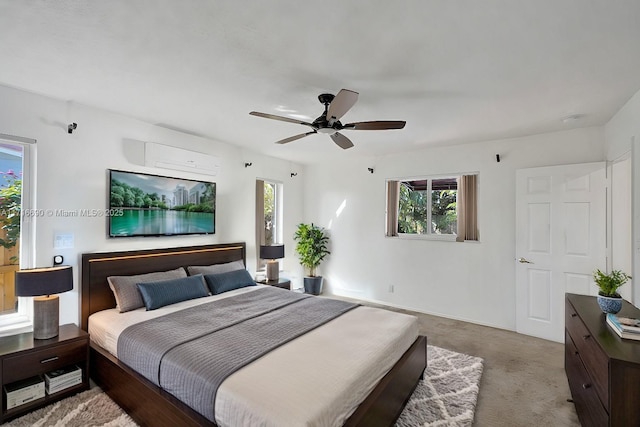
{"x": 141, "y": 204}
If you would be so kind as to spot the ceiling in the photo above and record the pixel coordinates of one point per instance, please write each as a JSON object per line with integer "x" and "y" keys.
{"x": 457, "y": 71}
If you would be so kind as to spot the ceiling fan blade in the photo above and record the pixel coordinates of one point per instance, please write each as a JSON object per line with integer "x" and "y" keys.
{"x": 341, "y": 140}
{"x": 344, "y": 100}
{"x": 375, "y": 125}
{"x": 293, "y": 138}
{"x": 281, "y": 118}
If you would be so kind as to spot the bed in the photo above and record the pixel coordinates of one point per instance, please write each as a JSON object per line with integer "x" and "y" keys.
{"x": 149, "y": 404}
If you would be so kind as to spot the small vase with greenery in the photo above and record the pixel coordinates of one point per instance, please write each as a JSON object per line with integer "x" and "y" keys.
{"x": 311, "y": 247}
{"x": 608, "y": 298}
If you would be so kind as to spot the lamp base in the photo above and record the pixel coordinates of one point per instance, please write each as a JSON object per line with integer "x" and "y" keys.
{"x": 273, "y": 270}
{"x": 45, "y": 317}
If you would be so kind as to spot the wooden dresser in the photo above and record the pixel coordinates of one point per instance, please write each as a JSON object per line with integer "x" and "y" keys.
{"x": 603, "y": 369}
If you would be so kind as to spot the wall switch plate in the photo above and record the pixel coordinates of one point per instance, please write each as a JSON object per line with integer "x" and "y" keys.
{"x": 63, "y": 241}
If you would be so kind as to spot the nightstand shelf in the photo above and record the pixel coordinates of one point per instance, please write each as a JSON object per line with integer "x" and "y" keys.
{"x": 280, "y": 283}
{"x": 22, "y": 357}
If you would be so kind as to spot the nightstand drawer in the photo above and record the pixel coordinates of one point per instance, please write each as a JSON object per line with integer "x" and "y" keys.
{"x": 41, "y": 361}
{"x": 594, "y": 359}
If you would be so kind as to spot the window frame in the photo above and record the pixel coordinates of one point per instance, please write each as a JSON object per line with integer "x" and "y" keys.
{"x": 430, "y": 235}
{"x": 22, "y": 319}
{"x": 427, "y": 236}
{"x": 277, "y": 210}
{"x": 278, "y": 217}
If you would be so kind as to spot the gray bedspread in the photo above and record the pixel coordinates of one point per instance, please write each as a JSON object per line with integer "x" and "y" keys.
{"x": 191, "y": 352}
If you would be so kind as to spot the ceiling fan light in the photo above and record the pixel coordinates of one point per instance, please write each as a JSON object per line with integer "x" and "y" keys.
{"x": 328, "y": 131}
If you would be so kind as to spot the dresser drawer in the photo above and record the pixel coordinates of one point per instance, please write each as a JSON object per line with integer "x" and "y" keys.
{"x": 594, "y": 359}
{"x": 585, "y": 397}
{"x": 45, "y": 360}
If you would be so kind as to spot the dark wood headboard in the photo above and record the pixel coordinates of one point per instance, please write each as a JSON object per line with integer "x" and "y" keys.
{"x": 96, "y": 267}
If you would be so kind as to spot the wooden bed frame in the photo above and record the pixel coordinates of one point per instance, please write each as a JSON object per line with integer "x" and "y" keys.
{"x": 149, "y": 405}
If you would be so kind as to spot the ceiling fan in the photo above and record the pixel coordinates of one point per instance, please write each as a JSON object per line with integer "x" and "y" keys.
{"x": 329, "y": 122}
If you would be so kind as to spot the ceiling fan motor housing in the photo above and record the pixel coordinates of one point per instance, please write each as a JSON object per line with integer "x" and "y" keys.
{"x": 326, "y": 98}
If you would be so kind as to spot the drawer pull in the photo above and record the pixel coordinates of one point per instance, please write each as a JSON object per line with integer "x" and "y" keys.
{"x": 576, "y": 353}
{"x": 586, "y": 337}
{"x": 51, "y": 359}
{"x": 586, "y": 386}
{"x": 574, "y": 314}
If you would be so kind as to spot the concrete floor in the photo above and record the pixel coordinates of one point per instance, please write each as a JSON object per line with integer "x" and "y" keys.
{"x": 523, "y": 381}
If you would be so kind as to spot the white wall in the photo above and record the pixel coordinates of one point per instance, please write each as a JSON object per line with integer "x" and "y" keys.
{"x": 622, "y": 134}
{"x": 71, "y": 174}
{"x": 468, "y": 281}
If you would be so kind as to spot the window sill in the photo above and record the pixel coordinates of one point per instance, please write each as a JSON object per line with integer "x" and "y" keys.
{"x": 435, "y": 237}
{"x": 13, "y": 324}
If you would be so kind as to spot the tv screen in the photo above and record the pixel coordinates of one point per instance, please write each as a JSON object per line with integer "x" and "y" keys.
{"x": 151, "y": 205}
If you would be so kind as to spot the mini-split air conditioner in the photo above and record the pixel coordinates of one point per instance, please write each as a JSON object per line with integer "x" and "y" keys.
{"x": 168, "y": 157}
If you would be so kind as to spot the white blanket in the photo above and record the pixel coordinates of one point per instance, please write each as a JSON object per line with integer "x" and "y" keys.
{"x": 318, "y": 379}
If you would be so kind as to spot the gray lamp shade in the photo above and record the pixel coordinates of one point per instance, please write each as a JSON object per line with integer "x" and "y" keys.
{"x": 44, "y": 281}
{"x": 272, "y": 252}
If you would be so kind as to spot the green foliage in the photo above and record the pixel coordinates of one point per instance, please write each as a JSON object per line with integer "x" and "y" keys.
{"x": 414, "y": 208}
{"x": 311, "y": 246}
{"x": 412, "y": 213}
{"x": 190, "y": 207}
{"x": 609, "y": 283}
{"x": 443, "y": 211}
{"x": 10, "y": 202}
{"x": 269, "y": 207}
{"x": 125, "y": 196}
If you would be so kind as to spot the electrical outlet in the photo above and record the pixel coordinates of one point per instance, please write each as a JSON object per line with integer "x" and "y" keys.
{"x": 391, "y": 289}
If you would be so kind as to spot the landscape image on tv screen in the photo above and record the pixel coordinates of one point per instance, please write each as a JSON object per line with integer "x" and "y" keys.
{"x": 152, "y": 205}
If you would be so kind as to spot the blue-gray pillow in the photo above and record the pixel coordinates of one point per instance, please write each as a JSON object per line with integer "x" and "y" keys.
{"x": 125, "y": 288}
{"x": 165, "y": 292}
{"x": 223, "y": 282}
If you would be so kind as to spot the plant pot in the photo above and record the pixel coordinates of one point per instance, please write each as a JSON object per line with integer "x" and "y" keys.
{"x": 610, "y": 304}
{"x": 313, "y": 285}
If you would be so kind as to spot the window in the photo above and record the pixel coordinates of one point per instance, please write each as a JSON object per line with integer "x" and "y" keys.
{"x": 439, "y": 207}
{"x": 428, "y": 206}
{"x": 270, "y": 213}
{"x": 15, "y": 229}
{"x": 269, "y": 218}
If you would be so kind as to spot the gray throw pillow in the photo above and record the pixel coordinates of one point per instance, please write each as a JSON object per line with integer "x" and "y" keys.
{"x": 126, "y": 291}
{"x": 216, "y": 268}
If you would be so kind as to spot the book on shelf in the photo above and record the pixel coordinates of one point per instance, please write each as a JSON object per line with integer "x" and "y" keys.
{"x": 622, "y": 330}
{"x": 61, "y": 375}
{"x": 63, "y": 386}
{"x": 61, "y": 379}
{"x": 24, "y": 391}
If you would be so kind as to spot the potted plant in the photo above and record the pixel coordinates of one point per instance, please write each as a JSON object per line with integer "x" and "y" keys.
{"x": 311, "y": 247}
{"x": 608, "y": 298}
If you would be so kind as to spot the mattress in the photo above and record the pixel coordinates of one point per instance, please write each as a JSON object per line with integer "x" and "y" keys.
{"x": 318, "y": 379}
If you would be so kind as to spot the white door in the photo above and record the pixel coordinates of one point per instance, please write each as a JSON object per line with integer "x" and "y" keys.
{"x": 560, "y": 241}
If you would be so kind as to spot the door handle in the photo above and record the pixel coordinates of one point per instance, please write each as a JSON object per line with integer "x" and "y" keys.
{"x": 524, "y": 261}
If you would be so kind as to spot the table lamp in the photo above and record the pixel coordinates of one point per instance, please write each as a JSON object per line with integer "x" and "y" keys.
{"x": 272, "y": 253}
{"x": 42, "y": 283}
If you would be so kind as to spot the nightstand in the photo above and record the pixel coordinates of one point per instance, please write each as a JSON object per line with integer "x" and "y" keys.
{"x": 280, "y": 283}
{"x": 22, "y": 357}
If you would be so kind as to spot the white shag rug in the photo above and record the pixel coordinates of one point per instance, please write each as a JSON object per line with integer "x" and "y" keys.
{"x": 448, "y": 394}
